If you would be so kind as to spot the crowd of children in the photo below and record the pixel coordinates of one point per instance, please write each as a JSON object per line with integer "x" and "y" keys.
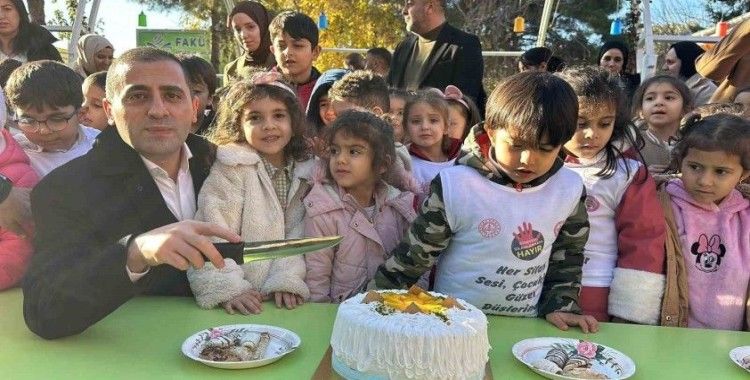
{"x": 560, "y": 202}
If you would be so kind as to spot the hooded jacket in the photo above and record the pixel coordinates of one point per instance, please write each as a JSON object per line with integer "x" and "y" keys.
{"x": 714, "y": 242}
{"x": 335, "y": 274}
{"x": 322, "y": 85}
{"x": 15, "y": 250}
{"x": 430, "y": 234}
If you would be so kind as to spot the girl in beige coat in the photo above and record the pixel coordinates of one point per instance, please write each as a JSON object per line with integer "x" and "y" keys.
{"x": 255, "y": 188}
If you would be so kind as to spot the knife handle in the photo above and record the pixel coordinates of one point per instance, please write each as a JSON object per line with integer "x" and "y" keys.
{"x": 231, "y": 251}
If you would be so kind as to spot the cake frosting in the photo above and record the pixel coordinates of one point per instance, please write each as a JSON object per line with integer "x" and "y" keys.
{"x": 427, "y": 337}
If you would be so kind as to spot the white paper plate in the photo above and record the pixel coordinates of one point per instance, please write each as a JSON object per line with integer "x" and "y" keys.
{"x": 738, "y": 354}
{"x": 282, "y": 342}
{"x": 607, "y": 361}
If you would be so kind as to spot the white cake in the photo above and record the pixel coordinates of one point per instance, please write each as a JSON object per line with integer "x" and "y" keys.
{"x": 374, "y": 341}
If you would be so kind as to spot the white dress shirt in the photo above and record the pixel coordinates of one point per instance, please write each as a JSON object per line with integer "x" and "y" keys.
{"x": 178, "y": 195}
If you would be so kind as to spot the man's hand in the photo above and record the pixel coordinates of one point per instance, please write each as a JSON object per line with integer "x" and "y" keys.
{"x": 562, "y": 320}
{"x": 15, "y": 211}
{"x": 288, "y": 300}
{"x": 250, "y": 302}
{"x": 180, "y": 245}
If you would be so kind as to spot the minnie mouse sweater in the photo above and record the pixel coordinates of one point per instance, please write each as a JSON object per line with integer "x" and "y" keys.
{"x": 716, "y": 248}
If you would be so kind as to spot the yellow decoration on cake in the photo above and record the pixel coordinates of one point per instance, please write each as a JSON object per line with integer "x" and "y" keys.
{"x": 416, "y": 300}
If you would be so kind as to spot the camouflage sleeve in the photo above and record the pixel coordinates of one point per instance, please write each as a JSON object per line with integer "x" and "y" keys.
{"x": 426, "y": 239}
{"x": 562, "y": 283}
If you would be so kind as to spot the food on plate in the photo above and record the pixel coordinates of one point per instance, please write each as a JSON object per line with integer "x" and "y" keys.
{"x": 236, "y": 345}
{"x": 411, "y": 334}
{"x": 571, "y": 361}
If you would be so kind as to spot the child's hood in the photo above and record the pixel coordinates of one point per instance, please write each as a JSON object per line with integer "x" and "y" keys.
{"x": 397, "y": 176}
{"x": 451, "y": 149}
{"x": 733, "y": 203}
{"x": 14, "y": 163}
{"x": 322, "y": 85}
{"x": 325, "y": 196}
{"x": 242, "y": 154}
{"x": 475, "y": 153}
{"x": 236, "y": 154}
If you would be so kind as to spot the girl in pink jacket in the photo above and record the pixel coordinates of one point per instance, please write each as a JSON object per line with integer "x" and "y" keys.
{"x": 15, "y": 250}
{"x": 353, "y": 199}
{"x": 713, "y": 219}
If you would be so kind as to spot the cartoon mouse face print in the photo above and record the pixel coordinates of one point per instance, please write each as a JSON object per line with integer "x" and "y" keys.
{"x": 708, "y": 253}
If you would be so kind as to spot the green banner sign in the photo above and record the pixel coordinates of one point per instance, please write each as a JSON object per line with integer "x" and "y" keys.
{"x": 176, "y": 41}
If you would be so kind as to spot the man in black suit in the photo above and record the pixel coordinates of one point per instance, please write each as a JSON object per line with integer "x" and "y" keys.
{"x": 115, "y": 222}
{"x": 435, "y": 54}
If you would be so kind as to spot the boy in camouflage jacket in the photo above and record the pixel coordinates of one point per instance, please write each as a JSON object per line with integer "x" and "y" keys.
{"x": 508, "y": 222}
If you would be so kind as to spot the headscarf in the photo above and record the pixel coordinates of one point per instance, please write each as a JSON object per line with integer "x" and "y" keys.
{"x": 619, "y": 45}
{"x": 687, "y": 52}
{"x": 88, "y": 46}
{"x": 258, "y": 13}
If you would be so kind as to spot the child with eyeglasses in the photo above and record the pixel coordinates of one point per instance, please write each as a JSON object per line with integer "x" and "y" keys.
{"x": 44, "y": 98}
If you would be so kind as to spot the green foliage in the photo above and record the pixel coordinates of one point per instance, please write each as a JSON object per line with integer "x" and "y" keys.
{"x": 727, "y": 9}
{"x": 351, "y": 23}
{"x": 67, "y": 16}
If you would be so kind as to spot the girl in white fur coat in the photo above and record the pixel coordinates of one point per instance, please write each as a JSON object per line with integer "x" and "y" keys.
{"x": 255, "y": 188}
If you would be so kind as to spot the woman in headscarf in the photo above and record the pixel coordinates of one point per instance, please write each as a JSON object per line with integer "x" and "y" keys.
{"x": 20, "y": 39}
{"x": 613, "y": 56}
{"x": 679, "y": 62}
{"x": 249, "y": 22}
{"x": 95, "y": 53}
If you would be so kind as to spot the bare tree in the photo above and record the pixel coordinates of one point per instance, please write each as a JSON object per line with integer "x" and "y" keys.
{"x": 36, "y": 11}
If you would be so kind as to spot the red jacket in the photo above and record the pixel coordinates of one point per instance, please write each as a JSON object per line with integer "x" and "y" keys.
{"x": 15, "y": 250}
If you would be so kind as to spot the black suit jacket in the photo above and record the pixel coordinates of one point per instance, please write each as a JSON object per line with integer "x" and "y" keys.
{"x": 455, "y": 59}
{"x": 86, "y": 212}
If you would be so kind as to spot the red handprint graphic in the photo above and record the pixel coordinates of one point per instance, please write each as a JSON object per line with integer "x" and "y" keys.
{"x": 528, "y": 244}
{"x": 525, "y": 234}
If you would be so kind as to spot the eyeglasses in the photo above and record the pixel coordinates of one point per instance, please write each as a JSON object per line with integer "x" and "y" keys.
{"x": 54, "y": 123}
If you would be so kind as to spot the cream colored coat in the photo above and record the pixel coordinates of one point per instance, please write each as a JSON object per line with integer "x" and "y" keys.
{"x": 238, "y": 194}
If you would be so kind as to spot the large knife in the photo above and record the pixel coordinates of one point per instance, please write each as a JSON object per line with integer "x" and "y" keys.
{"x": 274, "y": 249}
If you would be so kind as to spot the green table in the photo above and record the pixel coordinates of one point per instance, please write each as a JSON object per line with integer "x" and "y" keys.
{"x": 142, "y": 340}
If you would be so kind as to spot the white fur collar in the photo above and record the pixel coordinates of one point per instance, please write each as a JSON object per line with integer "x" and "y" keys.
{"x": 237, "y": 154}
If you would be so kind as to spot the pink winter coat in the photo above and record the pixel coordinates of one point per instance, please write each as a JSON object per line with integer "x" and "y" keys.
{"x": 15, "y": 251}
{"x": 336, "y": 274}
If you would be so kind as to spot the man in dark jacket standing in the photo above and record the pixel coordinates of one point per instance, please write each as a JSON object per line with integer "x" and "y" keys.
{"x": 435, "y": 54}
{"x": 115, "y": 222}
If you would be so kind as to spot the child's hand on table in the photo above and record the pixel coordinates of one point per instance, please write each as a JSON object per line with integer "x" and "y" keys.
{"x": 288, "y": 300}
{"x": 250, "y": 302}
{"x": 562, "y": 321}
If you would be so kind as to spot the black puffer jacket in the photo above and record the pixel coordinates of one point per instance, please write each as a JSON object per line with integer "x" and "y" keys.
{"x": 40, "y": 45}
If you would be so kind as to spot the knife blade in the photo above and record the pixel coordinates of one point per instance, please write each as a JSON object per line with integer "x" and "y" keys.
{"x": 274, "y": 249}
